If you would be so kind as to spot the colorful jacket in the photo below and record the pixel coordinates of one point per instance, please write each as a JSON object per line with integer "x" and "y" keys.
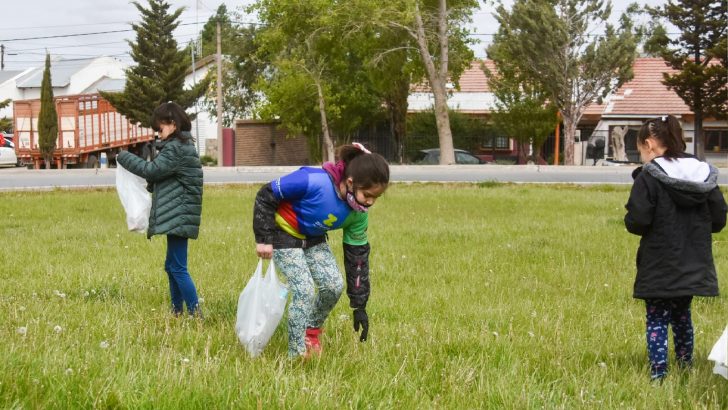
{"x": 300, "y": 208}
{"x": 176, "y": 178}
{"x": 675, "y": 206}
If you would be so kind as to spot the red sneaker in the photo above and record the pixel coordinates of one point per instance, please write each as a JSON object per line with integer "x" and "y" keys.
{"x": 313, "y": 345}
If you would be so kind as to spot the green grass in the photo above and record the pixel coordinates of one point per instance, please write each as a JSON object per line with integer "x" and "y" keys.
{"x": 483, "y": 296}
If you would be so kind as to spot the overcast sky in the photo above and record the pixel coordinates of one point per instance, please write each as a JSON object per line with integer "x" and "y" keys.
{"x": 25, "y": 20}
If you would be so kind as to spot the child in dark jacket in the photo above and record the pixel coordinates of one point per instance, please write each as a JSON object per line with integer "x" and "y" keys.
{"x": 291, "y": 217}
{"x": 175, "y": 176}
{"x": 675, "y": 205}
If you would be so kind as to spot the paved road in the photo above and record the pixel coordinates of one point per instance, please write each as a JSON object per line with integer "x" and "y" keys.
{"x": 22, "y": 179}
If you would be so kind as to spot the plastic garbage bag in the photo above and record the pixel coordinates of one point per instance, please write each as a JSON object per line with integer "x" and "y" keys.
{"x": 260, "y": 309}
{"x": 719, "y": 354}
{"x": 134, "y": 198}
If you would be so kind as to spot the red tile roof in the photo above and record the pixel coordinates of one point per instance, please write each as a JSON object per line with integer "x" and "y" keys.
{"x": 473, "y": 79}
{"x": 644, "y": 94}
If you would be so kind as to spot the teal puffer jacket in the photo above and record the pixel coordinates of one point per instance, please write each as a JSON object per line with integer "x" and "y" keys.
{"x": 176, "y": 175}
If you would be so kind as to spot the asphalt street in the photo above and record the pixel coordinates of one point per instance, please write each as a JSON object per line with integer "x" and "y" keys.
{"x": 24, "y": 179}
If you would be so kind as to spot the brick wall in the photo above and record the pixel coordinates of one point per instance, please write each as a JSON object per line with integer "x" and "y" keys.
{"x": 260, "y": 143}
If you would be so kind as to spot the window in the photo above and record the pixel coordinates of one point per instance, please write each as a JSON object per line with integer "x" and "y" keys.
{"x": 465, "y": 158}
{"x": 716, "y": 140}
{"x": 500, "y": 143}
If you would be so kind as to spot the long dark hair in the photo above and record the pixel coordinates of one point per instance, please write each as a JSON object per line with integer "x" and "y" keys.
{"x": 667, "y": 131}
{"x": 366, "y": 169}
{"x": 171, "y": 113}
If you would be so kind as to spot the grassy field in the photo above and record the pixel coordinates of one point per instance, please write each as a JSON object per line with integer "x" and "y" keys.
{"x": 484, "y": 296}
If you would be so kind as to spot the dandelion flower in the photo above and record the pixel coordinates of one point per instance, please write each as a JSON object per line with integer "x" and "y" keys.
{"x": 22, "y": 330}
{"x": 57, "y": 329}
{"x": 495, "y": 334}
{"x": 104, "y": 344}
{"x": 185, "y": 360}
{"x": 69, "y": 371}
{"x": 531, "y": 334}
{"x": 602, "y": 365}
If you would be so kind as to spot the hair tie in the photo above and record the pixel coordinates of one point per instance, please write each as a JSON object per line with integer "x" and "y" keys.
{"x": 361, "y": 147}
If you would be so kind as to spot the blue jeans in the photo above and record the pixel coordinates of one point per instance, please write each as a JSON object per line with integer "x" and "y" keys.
{"x": 181, "y": 286}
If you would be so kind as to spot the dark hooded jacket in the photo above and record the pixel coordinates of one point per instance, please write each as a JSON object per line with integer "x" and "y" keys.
{"x": 176, "y": 178}
{"x": 675, "y": 206}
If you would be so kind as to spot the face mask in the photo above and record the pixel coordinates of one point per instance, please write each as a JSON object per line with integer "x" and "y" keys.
{"x": 353, "y": 203}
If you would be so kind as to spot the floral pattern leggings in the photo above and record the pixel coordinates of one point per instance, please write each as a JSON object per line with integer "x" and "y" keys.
{"x": 662, "y": 313}
{"x": 315, "y": 284}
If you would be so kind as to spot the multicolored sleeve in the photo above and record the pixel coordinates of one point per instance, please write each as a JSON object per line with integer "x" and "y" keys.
{"x": 356, "y": 259}
{"x": 355, "y": 228}
{"x": 291, "y": 186}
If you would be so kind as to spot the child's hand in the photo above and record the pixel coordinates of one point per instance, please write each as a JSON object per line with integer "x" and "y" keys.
{"x": 361, "y": 319}
{"x": 264, "y": 251}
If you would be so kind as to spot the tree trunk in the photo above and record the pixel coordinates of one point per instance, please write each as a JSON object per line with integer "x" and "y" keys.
{"x": 328, "y": 143}
{"x": 522, "y": 153}
{"x": 569, "y": 131}
{"x": 398, "y": 115}
{"x": 698, "y": 141}
{"x": 437, "y": 78}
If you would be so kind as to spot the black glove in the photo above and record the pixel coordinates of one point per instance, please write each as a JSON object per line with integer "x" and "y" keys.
{"x": 361, "y": 318}
{"x": 636, "y": 172}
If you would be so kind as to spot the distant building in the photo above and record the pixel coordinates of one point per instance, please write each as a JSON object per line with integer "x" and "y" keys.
{"x": 623, "y": 111}
{"x": 68, "y": 77}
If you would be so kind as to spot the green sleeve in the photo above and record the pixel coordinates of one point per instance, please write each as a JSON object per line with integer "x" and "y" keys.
{"x": 355, "y": 228}
{"x": 162, "y": 167}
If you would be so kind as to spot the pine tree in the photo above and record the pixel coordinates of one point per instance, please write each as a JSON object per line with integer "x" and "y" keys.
{"x": 160, "y": 71}
{"x": 700, "y": 82}
{"x": 47, "y": 117}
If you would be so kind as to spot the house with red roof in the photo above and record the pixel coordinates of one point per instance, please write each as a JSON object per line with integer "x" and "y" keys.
{"x": 624, "y": 111}
{"x": 642, "y": 98}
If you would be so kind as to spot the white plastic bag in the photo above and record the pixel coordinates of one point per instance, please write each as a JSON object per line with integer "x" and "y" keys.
{"x": 134, "y": 198}
{"x": 260, "y": 308}
{"x": 719, "y": 354}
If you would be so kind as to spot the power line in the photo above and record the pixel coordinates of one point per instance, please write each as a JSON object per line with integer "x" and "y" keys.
{"x": 78, "y": 34}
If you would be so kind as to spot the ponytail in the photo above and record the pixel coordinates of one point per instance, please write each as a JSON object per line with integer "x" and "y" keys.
{"x": 365, "y": 168}
{"x": 668, "y": 132}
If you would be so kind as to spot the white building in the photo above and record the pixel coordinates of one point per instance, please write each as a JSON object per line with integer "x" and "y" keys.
{"x": 68, "y": 77}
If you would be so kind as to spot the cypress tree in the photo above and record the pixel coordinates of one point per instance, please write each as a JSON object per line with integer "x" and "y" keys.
{"x": 160, "y": 69}
{"x": 47, "y": 117}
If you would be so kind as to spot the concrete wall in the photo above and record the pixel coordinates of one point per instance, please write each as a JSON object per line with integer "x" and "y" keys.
{"x": 260, "y": 143}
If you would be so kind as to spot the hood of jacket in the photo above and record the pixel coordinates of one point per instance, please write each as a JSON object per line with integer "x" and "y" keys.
{"x": 336, "y": 171}
{"x": 688, "y": 180}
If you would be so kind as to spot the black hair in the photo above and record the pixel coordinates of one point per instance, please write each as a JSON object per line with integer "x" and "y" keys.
{"x": 667, "y": 131}
{"x": 171, "y": 113}
{"x": 365, "y": 169}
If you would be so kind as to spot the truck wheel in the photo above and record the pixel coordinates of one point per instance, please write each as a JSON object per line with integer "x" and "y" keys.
{"x": 92, "y": 162}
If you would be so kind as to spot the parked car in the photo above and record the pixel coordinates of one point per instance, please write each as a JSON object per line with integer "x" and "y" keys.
{"x": 7, "y": 153}
{"x": 432, "y": 157}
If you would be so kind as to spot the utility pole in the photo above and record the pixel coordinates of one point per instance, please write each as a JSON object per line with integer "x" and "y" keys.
{"x": 193, "y": 45}
{"x": 218, "y": 57}
{"x": 2, "y": 56}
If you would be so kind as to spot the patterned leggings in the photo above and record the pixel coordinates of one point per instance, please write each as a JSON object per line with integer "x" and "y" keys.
{"x": 315, "y": 284}
{"x": 662, "y": 313}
